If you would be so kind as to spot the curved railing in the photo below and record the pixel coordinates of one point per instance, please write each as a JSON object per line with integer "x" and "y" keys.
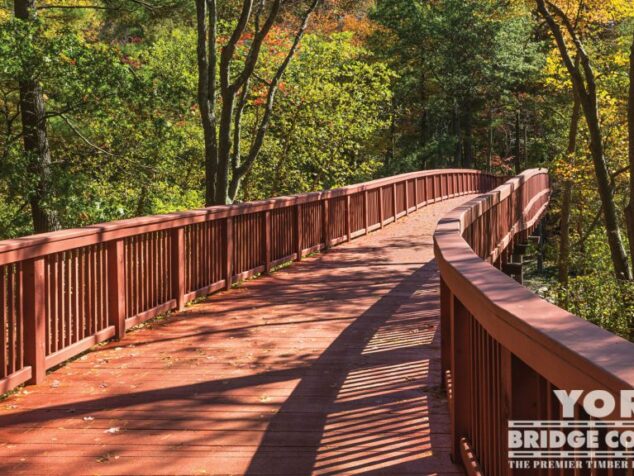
{"x": 504, "y": 350}
{"x": 63, "y": 292}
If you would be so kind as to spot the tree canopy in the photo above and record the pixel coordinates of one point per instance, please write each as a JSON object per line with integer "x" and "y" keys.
{"x": 122, "y": 108}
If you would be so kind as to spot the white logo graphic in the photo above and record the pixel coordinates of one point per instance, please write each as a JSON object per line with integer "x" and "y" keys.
{"x": 604, "y": 440}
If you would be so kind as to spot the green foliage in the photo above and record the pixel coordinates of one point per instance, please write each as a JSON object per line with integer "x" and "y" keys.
{"x": 464, "y": 68}
{"x": 597, "y": 297}
{"x": 329, "y": 119}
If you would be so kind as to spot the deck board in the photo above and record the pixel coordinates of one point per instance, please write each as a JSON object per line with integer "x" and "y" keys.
{"x": 329, "y": 367}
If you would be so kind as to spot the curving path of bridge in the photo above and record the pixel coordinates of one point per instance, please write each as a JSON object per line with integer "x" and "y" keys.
{"x": 331, "y": 366}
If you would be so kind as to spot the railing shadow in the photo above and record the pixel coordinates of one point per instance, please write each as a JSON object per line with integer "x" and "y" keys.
{"x": 368, "y": 403}
{"x": 380, "y": 413}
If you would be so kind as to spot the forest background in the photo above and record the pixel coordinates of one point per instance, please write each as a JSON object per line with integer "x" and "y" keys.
{"x": 119, "y": 108}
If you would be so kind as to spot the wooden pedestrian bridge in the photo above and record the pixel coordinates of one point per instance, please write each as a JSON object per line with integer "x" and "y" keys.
{"x": 403, "y": 349}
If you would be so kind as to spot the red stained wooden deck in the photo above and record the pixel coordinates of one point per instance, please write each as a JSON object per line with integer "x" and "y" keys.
{"x": 331, "y": 366}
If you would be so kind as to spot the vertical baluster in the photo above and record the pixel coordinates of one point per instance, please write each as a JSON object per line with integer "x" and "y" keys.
{"x": 445, "y": 328}
{"x": 19, "y": 312}
{"x": 178, "y": 270}
{"x": 3, "y": 323}
{"x": 460, "y": 376}
{"x": 267, "y": 241}
{"x": 326, "y": 223}
{"x": 35, "y": 318}
{"x": 228, "y": 241}
{"x": 299, "y": 246}
{"x": 348, "y": 230}
{"x": 394, "y": 208}
{"x": 116, "y": 286}
{"x": 73, "y": 296}
{"x": 67, "y": 299}
{"x": 146, "y": 271}
{"x": 53, "y": 310}
{"x": 406, "y": 197}
{"x": 90, "y": 286}
{"x": 381, "y": 212}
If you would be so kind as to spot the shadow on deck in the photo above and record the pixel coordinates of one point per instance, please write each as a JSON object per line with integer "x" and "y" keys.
{"x": 329, "y": 367}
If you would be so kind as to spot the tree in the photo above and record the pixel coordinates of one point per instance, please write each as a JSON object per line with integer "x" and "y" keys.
{"x": 584, "y": 83}
{"x": 564, "y": 227}
{"x": 331, "y": 120}
{"x": 34, "y": 133}
{"x": 629, "y": 213}
{"x": 225, "y": 165}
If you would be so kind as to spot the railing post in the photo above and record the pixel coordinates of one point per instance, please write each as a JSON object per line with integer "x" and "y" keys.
{"x": 460, "y": 375}
{"x": 35, "y": 318}
{"x": 445, "y": 328}
{"x": 267, "y": 241}
{"x": 506, "y": 397}
{"x": 326, "y": 221}
{"x": 394, "y": 208}
{"x": 348, "y": 225}
{"x": 178, "y": 267}
{"x": 525, "y": 395}
{"x": 425, "y": 191}
{"x": 416, "y": 193}
{"x": 116, "y": 287}
{"x": 366, "y": 215}
{"x": 381, "y": 219}
{"x": 228, "y": 252}
{"x": 406, "y": 197}
{"x": 298, "y": 231}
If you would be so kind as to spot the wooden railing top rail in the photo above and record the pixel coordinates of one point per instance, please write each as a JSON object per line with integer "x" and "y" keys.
{"x": 568, "y": 351}
{"x": 34, "y": 246}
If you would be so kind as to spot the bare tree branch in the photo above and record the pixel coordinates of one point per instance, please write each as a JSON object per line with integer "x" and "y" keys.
{"x": 274, "y": 85}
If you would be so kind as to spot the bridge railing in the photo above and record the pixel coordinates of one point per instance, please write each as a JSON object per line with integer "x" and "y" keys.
{"x": 63, "y": 292}
{"x": 504, "y": 350}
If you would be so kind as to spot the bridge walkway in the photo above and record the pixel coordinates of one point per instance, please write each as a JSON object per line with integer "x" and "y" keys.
{"x": 330, "y": 366}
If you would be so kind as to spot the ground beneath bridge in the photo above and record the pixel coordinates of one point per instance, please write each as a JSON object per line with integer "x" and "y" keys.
{"x": 330, "y": 367}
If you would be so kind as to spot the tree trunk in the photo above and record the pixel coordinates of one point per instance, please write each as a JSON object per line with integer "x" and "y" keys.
{"x": 490, "y": 148}
{"x": 458, "y": 137}
{"x": 36, "y": 147}
{"x": 467, "y": 158}
{"x": 206, "y": 59}
{"x": 525, "y": 152}
{"x": 518, "y": 144}
{"x": 617, "y": 251}
{"x": 564, "y": 225}
{"x": 583, "y": 80}
{"x": 629, "y": 211}
{"x": 224, "y": 148}
{"x": 391, "y": 146}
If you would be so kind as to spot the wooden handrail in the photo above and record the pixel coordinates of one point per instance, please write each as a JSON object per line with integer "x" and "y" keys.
{"x": 46, "y": 243}
{"x": 63, "y": 292}
{"x": 504, "y": 348}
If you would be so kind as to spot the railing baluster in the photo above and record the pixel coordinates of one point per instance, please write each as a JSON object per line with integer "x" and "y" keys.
{"x": 366, "y": 213}
{"x": 267, "y": 241}
{"x": 35, "y": 318}
{"x": 462, "y": 387}
{"x": 394, "y": 206}
{"x": 347, "y": 219}
{"x": 178, "y": 270}
{"x": 445, "y": 328}
{"x": 326, "y": 223}
{"x": 299, "y": 246}
{"x": 406, "y": 197}
{"x": 381, "y": 217}
{"x": 228, "y": 252}
{"x": 116, "y": 287}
